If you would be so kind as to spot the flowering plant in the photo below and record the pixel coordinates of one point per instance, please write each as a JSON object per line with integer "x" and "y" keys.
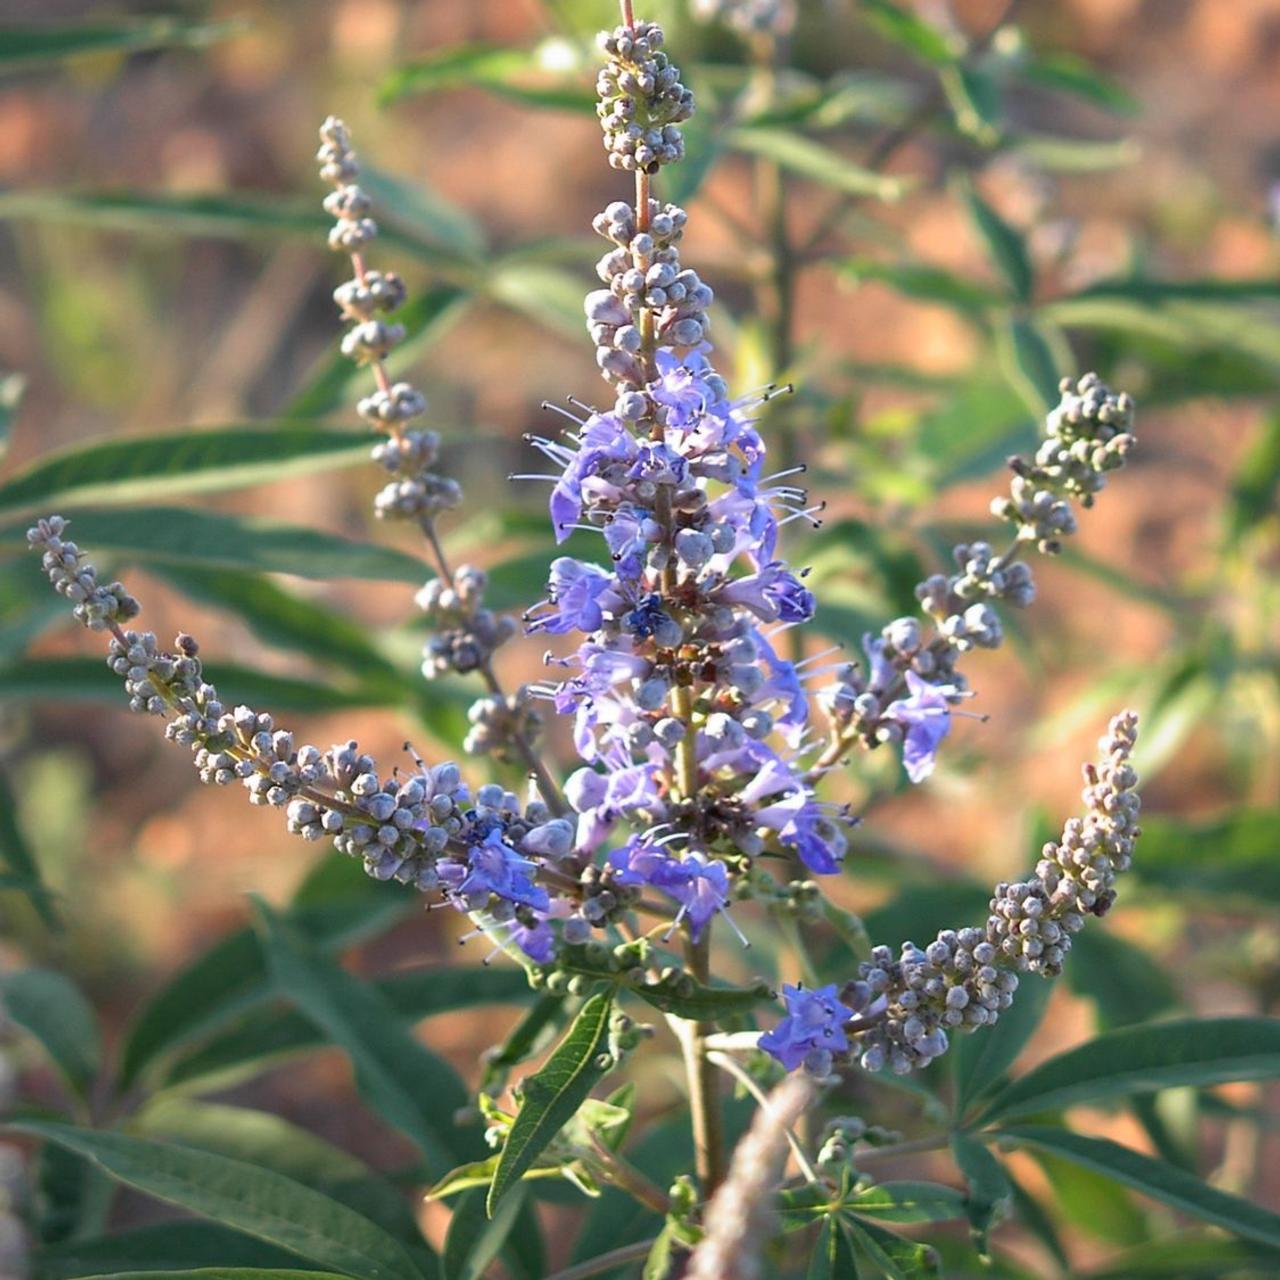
{"x": 707, "y": 731}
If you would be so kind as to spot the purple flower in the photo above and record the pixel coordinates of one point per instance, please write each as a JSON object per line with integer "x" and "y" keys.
{"x": 682, "y": 386}
{"x": 784, "y": 686}
{"x": 773, "y": 594}
{"x": 604, "y": 440}
{"x": 576, "y": 590}
{"x": 814, "y": 1025}
{"x": 816, "y": 837}
{"x": 602, "y": 798}
{"x": 925, "y": 715}
{"x": 698, "y": 883}
{"x": 537, "y": 939}
{"x": 491, "y": 868}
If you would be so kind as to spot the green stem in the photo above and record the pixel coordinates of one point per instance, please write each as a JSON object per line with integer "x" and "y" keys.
{"x": 704, "y": 1085}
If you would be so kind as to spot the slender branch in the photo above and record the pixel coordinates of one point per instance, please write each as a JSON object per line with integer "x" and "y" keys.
{"x": 628, "y": 1178}
{"x": 704, "y": 1091}
{"x": 726, "y": 1063}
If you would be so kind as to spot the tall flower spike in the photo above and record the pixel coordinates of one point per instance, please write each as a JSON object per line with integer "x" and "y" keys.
{"x": 689, "y": 720}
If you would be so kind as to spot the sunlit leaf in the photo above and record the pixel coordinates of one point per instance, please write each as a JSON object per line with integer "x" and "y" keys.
{"x": 1069, "y": 73}
{"x": 553, "y": 1095}
{"x": 28, "y": 47}
{"x": 517, "y": 74}
{"x": 198, "y": 461}
{"x": 902, "y": 27}
{"x": 816, "y": 161}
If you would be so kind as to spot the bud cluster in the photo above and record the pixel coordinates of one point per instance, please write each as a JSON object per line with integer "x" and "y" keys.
{"x": 643, "y": 273}
{"x": 1089, "y": 435}
{"x": 96, "y": 606}
{"x": 641, "y": 99}
{"x": 906, "y": 690}
{"x": 966, "y": 978}
{"x": 466, "y": 633}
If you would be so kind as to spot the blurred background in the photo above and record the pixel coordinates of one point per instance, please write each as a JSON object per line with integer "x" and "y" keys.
{"x": 1058, "y": 185}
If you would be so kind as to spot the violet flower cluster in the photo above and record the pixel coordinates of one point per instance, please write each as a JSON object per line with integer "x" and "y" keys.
{"x": 700, "y": 743}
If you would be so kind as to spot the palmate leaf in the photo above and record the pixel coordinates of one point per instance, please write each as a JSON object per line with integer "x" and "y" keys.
{"x": 832, "y": 1257}
{"x": 1197, "y": 1052}
{"x": 1154, "y": 1178}
{"x": 893, "y": 1256}
{"x": 183, "y": 462}
{"x": 907, "y": 1202}
{"x": 51, "y": 1007}
{"x": 252, "y": 1200}
{"x": 400, "y": 1078}
{"x": 28, "y": 47}
{"x": 553, "y": 1095}
{"x": 183, "y": 535}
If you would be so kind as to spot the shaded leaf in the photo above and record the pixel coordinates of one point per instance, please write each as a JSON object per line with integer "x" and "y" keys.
{"x": 51, "y": 1008}
{"x": 980, "y": 1059}
{"x": 1255, "y": 486}
{"x": 185, "y": 462}
{"x": 475, "y": 1239}
{"x": 989, "y": 1187}
{"x": 1028, "y": 362}
{"x": 256, "y": 1201}
{"x": 408, "y": 1085}
{"x": 28, "y": 47}
{"x": 17, "y": 858}
{"x": 1164, "y": 1182}
{"x": 1122, "y": 980}
{"x": 1197, "y": 1051}
{"x": 832, "y": 1257}
{"x": 923, "y": 282}
{"x": 894, "y": 1256}
{"x": 908, "y": 1202}
{"x": 911, "y": 33}
{"x": 12, "y": 385}
{"x": 554, "y": 1094}
{"x": 1069, "y": 73}
{"x": 1005, "y": 246}
{"x": 512, "y": 73}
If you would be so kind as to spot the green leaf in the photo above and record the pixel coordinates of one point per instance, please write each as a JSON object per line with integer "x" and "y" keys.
{"x": 1074, "y": 155}
{"x": 183, "y": 535}
{"x": 414, "y": 1090}
{"x": 1164, "y": 1182}
{"x": 554, "y": 1094}
{"x": 1122, "y": 980}
{"x": 1243, "y": 868}
{"x": 975, "y": 100}
{"x": 908, "y": 1202}
{"x": 703, "y": 146}
{"x": 22, "y": 48}
{"x": 218, "y": 216}
{"x": 290, "y": 621}
{"x": 232, "y": 976}
{"x": 923, "y": 282}
{"x": 1188, "y": 1259}
{"x": 426, "y": 317}
{"x": 18, "y": 860}
{"x": 184, "y": 462}
{"x": 989, "y": 1187}
{"x": 51, "y": 1007}
{"x": 909, "y": 32}
{"x": 269, "y": 1033}
{"x": 1069, "y": 73}
{"x": 832, "y": 1257}
{"x": 813, "y": 160}
{"x": 167, "y": 1246}
{"x": 256, "y": 1201}
{"x": 894, "y": 1256}
{"x": 12, "y": 385}
{"x": 475, "y": 1239}
{"x": 545, "y": 294}
{"x": 227, "y": 1273}
{"x": 89, "y": 680}
{"x": 422, "y": 213}
{"x": 1005, "y": 247}
{"x": 1255, "y": 486}
{"x": 1027, "y": 361}
{"x": 511, "y": 73}
{"x": 980, "y": 1059}
{"x": 530, "y": 1035}
{"x": 701, "y": 1003}
{"x": 1197, "y": 1051}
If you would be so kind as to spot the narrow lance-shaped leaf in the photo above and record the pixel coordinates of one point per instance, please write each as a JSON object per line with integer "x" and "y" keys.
{"x": 475, "y": 1239}
{"x": 183, "y": 535}
{"x": 989, "y": 1187}
{"x": 1200, "y": 1052}
{"x": 17, "y": 859}
{"x": 813, "y": 160}
{"x": 183, "y": 462}
{"x": 1028, "y": 362}
{"x": 12, "y": 385}
{"x": 554, "y": 1094}
{"x": 255, "y": 1201}
{"x": 832, "y": 1257}
{"x": 26, "y": 47}
{"x": 51, "y": 1007}
{"x": 1164, "y": 1182}
{"x": 414, "y": 1090}
{"x": 1003, "y": 244}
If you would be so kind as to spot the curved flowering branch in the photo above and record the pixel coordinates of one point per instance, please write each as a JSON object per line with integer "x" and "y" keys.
{"x": 898, "y": 1013}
